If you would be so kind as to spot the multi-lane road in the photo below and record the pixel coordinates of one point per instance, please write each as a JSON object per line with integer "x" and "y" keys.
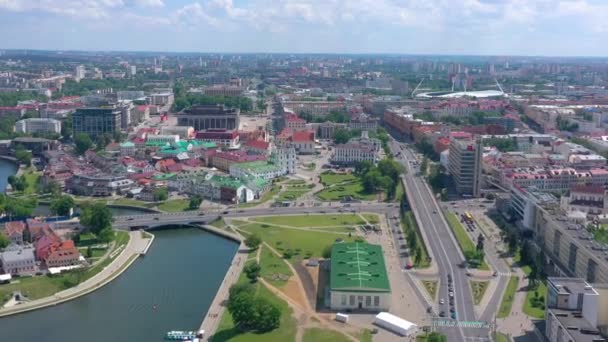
{"x": 444, "y": 249}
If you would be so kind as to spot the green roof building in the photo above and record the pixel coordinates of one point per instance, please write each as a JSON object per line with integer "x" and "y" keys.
{"x": 358, "y": 277}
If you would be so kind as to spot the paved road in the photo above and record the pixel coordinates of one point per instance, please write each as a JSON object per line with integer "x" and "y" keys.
{"x": 444, "y": 248}
{"x": 205, "y": 216}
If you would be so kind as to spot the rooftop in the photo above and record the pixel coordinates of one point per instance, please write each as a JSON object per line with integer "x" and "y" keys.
{"x": 577, "y": 326}
{"x": 358, "y": 266}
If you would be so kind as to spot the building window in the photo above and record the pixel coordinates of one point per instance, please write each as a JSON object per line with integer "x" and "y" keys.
{"x": 368, "y": 301}
{"x": 343, "y": 299}
{"x": 376, "y": 300}
{"x": 351, "y": 300}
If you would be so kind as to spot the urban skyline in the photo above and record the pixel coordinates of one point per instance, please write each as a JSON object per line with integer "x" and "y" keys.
{"x": 475, "y": 27}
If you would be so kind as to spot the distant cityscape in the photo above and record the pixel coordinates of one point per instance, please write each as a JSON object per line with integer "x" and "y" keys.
{"x": 372, "y": 197}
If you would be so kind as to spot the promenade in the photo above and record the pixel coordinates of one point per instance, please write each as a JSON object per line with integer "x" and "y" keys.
{"x": 212, "y": 319}
{"x": 135, "y": 247}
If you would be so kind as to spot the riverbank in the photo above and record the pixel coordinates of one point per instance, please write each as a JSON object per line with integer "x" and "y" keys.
{"x": 136, "y": 246}
{"x": 216, "y": 310}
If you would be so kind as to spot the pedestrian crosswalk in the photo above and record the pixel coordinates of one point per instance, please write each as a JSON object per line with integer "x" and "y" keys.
{"x": 460, "y": 324}
{"x": 504, "y": 274}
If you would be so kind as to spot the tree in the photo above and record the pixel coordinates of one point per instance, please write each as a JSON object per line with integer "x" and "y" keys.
{"x": 240, "y": 288}
{"x": 106, "y": 235}
{"x": 4, "y": 241}
{"x": 16, "y": 183}
{"x": 253, "y": 241}
{"x": 362, "y": 167}
{"x": 418, "y": 256}
{"x": 341, "y": 136}
{"x": 62, "y": 205}
{"x": 267, "y": 315}
{"x": 89, "y": 252}
{"x": 436, "y": 337}
{"x": 480, "y": 241}
{"x": 423, "y": 165}
{"x": 96, "y": 217}
{"x": 195, "y": 202}
{"x": 83, "y": 142}
{"x": 252, "y": 271}
{"x": 23, "y": 156}
{"x": 326, "y": 254}
{"x": 161, "y": 194}
{"x": 51, "y": 187}
{"x": 241, "y": 309}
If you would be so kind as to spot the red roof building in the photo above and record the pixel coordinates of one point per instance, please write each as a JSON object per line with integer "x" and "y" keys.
{"x": 14, "y": 231}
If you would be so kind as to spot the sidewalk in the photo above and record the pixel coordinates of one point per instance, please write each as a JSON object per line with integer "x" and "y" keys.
{"x": 136, "y": 246}
{"x": 517, "y": 323}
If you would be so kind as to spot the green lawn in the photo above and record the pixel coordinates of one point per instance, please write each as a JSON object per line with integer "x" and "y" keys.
{"x": 96, "y": 252}
{"x": 431, "y": 287}
{"x": 464, "y": 241}
{"x": 507, "y": 299}
{"x": 290, "y": 195}
{"x": 407, "y": 224}
{"x": 538, "y": 311}
{"x": 601, "y": 234}
{"x": 337, "y": 192}
{"x": 331, "y": 178}
{"x": 365, "y": 336}
{"x": 479, "y": 289}
{"x": 371, "y": 218}
{"x": 500, "y": 337}
{"x": 273, "y": 266}
{"x": 31, "y": 182}
{"x": 219, "y": 223}
{"x": 320, "y": 335}
{"x": 286, "y": 331}
{"x": 306, "y": 221}
{"x": 175, "y": 205}
{"x": 298, "y": 241}
{"x": 295, "y": 182}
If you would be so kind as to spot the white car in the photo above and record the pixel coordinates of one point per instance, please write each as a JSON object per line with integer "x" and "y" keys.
{"x": 441, "y": 301}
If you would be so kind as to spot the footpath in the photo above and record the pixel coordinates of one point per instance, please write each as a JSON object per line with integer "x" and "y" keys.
{"x": 136, "y": 246}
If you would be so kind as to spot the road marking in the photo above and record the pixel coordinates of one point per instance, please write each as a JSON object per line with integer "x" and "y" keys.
{"x": 460, "y": 324}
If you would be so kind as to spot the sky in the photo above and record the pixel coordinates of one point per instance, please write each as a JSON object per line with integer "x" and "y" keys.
{"x": 470, "y": 27}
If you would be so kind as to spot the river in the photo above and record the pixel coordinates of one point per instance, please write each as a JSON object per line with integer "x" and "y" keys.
{"x": 7, "y": 168}
{"x": 171, "y": 288}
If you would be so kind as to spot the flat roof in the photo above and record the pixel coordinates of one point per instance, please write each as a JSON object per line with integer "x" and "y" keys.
{"x": 576, "y": 326}
{"x": 358, "y": 266}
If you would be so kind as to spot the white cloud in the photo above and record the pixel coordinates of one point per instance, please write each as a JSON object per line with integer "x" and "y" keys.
{"x": 150, "y": 3}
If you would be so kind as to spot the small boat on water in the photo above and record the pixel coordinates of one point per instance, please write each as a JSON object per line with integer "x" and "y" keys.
{"x": 184, "y": 335}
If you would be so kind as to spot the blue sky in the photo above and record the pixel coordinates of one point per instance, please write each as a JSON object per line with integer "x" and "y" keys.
{"x": 496, "y": 27}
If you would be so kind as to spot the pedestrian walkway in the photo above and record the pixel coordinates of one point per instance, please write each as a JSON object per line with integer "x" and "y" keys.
{"x": 214, "y": 315}
{"x": 517, "y": 323}
{"x": 136, "y": 245}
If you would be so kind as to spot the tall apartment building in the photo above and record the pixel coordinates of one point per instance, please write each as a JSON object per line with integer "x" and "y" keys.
{"x": 97, "y": 121}
{"x": 203, "y": 117}
{"x": 79, "y": 73}
{"x": 576, "y": 311}
{"x": 36, "y": 125}
{"x": 465, "y": 166}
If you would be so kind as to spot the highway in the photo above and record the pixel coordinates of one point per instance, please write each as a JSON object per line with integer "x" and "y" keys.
{"x": 443, "y": 247}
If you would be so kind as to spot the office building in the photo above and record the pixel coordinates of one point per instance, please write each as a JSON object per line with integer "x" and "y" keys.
{"x": 465, "y": 166}
{"x": 35, "y": 125}
{"x": 79, "y": 73}
{"x": 97, "y": 121}
{"x": 203, "y": 117}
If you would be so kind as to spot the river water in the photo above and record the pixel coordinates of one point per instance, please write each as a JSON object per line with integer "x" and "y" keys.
{"x": 171, "y": 288}
{"x": 7, "y": 168}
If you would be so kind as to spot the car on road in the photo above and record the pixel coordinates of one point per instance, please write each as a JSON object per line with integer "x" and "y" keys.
{"x": 451, "y": 294}
{"x": 130, "y": 219}
{"x": 157, "y": 218}
{"x": 452, "y": 310}
{"x": 225, "y": 212}
{"x": 442, "y": 314}
{"x": 453, "y": 315}
{"x": 441, "y": 301}
{"x": 449, "y": 277}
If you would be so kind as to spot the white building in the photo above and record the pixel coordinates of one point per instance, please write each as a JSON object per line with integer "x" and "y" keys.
{"x": 36, "y": 125}
{"x": 17, "y": 260}
{"x": 161, "y": 99}
{"x": 349, "y": 154}
{"x": 79, "y": 73}
{"x": 285, "y": 157}
{"x": 256, "y": 169}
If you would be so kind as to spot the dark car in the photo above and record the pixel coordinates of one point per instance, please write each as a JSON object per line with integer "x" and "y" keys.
{"x": 442, "y": 314}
